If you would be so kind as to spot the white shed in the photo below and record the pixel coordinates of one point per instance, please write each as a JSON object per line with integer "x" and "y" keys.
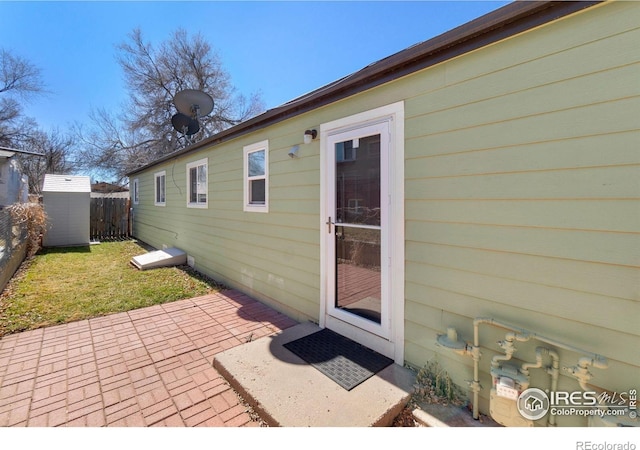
{"x": 67, "y": 202}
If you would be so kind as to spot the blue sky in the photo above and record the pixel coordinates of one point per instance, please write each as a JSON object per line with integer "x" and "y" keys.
{"x": 282, "y": 49}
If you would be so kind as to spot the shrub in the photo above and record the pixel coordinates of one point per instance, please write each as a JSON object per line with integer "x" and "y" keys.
{"x": 434, "y": 385}
{"x": 33, "y": 216}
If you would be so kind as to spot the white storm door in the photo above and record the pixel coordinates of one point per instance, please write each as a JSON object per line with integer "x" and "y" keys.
{"x": 357, "y": 232}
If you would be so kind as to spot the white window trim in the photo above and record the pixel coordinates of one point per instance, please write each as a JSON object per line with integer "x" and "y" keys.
{"x": 136, "y": 191}
{"x": 155, "y": 188}
{"x": 200, "y": 162}
{"x": 263, "y": 145}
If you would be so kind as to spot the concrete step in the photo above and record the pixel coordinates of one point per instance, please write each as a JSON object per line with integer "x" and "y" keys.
{"x": 288, "y": 392}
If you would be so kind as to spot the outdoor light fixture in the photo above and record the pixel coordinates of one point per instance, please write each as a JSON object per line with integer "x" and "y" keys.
{"x": 309, "y": 135}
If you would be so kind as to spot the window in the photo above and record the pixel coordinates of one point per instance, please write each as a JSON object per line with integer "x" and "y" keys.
{"x": 160, "y": 178}
{"x": 197, "y": 186}
{"x": 346, "y": 151}
{"x": 136, "y": 191}
{"x": 256, "y": 177}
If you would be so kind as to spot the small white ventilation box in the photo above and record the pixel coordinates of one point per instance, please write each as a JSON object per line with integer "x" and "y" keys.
{"x": 160, "y": 258}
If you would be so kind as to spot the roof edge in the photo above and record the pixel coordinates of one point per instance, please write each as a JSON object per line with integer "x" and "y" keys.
{"x": 504, "y": 22}
{"x": 25, "y": 152}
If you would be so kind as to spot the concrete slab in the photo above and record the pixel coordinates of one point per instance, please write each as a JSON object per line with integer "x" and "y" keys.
{"x": 160, "y": 258}
{"x": 288, "y": 392}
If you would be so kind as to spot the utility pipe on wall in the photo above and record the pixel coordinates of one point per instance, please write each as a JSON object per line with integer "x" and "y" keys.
{"x": 508, "y": 347}
{"x": 526, "y": 366}
{"x": 580, "y": 371}
{"x": 552, "y": 370}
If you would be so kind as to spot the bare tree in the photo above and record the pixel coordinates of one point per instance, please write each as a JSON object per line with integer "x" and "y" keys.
{"x": 19, "y": 81}
{"x": 143, "y": 131}
{"x": 108, "y": 149}
{"x": 57, "y": 150}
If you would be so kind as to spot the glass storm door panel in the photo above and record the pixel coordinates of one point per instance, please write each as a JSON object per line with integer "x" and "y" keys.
{"x": 357, "y": 235}
{"x": 358, "y": 294}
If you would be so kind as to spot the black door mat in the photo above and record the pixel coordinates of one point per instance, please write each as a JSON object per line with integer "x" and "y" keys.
{"x": 344, "y": 361}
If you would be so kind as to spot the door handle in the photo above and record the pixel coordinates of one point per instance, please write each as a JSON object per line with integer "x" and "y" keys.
{"x": 329, "y": 223}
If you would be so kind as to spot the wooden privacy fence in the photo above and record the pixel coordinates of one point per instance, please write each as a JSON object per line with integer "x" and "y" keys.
{"x": 109, "y": 218}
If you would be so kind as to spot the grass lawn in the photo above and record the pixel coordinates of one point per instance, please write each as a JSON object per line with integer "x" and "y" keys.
{"x": 62, "y": 285}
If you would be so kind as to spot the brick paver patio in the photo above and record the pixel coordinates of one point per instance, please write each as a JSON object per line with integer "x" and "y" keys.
{"x": 148, "y": 367}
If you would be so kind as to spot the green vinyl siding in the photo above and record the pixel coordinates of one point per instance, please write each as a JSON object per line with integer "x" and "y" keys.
{"x": 273, "y": 256}
{"x": 522, "y": 186}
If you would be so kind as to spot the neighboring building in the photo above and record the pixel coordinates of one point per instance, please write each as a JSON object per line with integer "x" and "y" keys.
{"x": 14, "y": 188}
{"x": 14, "y": 185}
{"x": 103, "y": 189}
{"x": 66, "y": 200}
{"x": 481, "y": 186}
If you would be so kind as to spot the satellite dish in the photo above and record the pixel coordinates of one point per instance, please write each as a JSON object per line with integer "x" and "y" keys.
{"x": 193, "y": 103}
{"x": 185, "y": 124}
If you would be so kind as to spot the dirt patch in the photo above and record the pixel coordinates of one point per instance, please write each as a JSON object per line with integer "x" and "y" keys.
{"x": 405, "y": 418}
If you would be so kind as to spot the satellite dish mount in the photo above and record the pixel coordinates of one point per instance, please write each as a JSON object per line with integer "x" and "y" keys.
{"x": 191, "y": 104}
